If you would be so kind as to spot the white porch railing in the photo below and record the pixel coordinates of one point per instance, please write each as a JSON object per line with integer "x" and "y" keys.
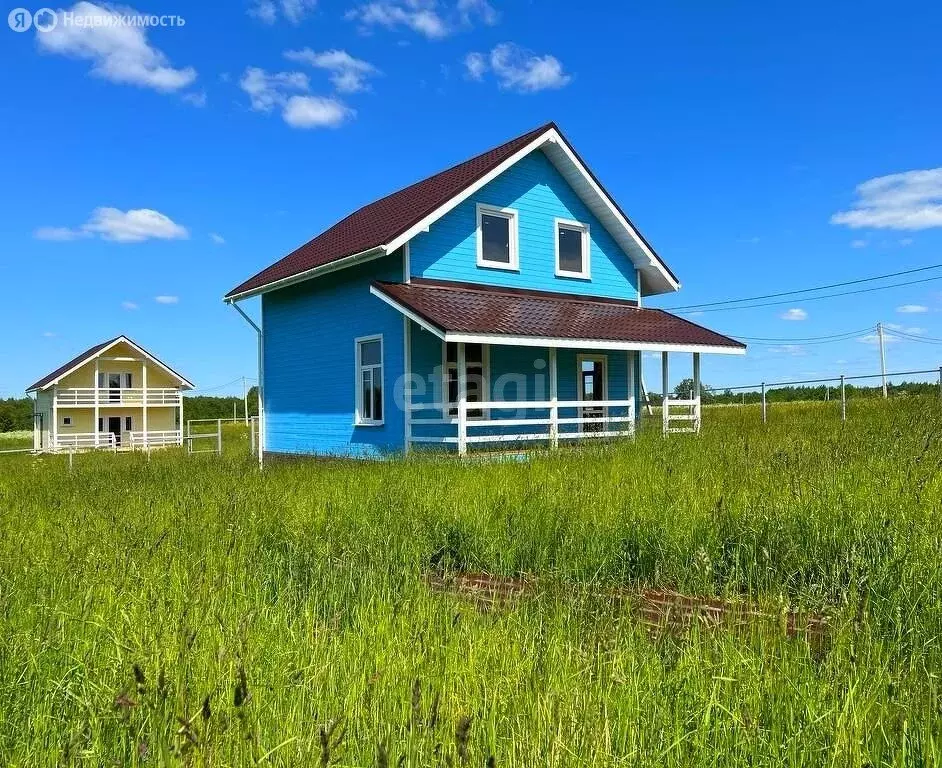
{"x": 84, "y": 440}
{"x": 155, "y": 439}
{"x": 522, "y": 425}
{"x": 685, "y": 413}
{"x": 85, "y": 396}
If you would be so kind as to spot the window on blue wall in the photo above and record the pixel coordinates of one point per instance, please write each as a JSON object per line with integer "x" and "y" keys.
{"x": 497, "y": 237}
{"x": 475, "y": 364}
{"x": 370, "y": 380}
{"x": 572, "y": 249}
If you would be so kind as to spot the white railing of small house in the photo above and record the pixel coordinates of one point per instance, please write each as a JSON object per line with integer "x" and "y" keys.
{"x": 86, "y": 396}
{"x": 680, "y": 415}
{"x": 524, "y": 425}
{"x": 155, "y": 438}
{"x": 84, "y": 440}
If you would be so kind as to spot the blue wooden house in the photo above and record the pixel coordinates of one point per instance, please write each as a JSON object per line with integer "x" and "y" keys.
{"x": 500, "y": 301}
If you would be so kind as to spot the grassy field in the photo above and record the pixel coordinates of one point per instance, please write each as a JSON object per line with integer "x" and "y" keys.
{"x": 192, "y": 611}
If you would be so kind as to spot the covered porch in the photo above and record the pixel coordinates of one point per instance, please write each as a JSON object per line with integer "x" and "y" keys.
{"x": 504, "y": 367}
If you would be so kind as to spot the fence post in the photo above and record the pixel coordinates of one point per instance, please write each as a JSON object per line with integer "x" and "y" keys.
{"x": 70, "y": 459}
{"x": 252, "y": 436}
{"x": 219, "y": 437}
{"x": 764, "y": 407}
{"x": 940, "y": 381}
{"x": 843, "y": 401}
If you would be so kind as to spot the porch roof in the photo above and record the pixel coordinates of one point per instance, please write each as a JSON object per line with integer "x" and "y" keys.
{"x": 471, "y": 312}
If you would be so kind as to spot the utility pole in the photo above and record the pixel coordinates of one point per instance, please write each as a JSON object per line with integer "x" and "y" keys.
{"x": 882, "y": 357}
{"x": 245, "y": 402}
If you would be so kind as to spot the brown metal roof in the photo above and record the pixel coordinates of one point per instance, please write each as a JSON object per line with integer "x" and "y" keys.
{"x": 90, "y": 353}
{"x": 478, "y": 309}
{"x": 381, "y": 222}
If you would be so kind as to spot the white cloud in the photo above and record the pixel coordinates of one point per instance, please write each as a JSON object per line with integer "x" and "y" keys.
{"x": 471, "y": 9}
{"x": 119, "y": 53}
{"x": 794, "y": 314}
{"x": 48, "y": 334}
{"x": 912, "y": 309}
{"x": 873, "y": 339}
{"x": 217, "y": 239}
{"x": 421, "y": 17}
{"x": 167, "y": 299}
{"x": 906, "y": 241}
{"x": 315, "y": 112}
{"x": 132, "y": 226}
{"x": 858, "y": 243}
{"x": 288, "y": 91}
{"x": 129, "y": 305}
{"x": 912, "y": 330}
{"x": 294, "y": 11}
{"x": 475, "y": 65}
{"x": 793, "y": 350}
{"x": 518, "y": 69}
{"x": 348, "y": 74}
{"x": 196, "y": 98}
{"x": 909, "y": 201}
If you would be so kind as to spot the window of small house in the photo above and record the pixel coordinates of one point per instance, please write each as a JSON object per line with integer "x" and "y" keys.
{"x": 572, "y": 249}
{"x": 477, "y": 377}
{"x": 127, "y": 423}
{"x": 497, "y": 237}
{"x": 66, "y": 421}
{"x": 370, "y": 380}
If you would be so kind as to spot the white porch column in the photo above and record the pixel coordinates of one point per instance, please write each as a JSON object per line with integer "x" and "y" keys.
{"x": 180, "y": 442}
{"x": 631, "y": 391}
{"x": 144, "y": 400}
{"x": 96, "y": 416}
{"x": 554, "y": 398}
{"x": 407, "y": 381}
{"x": 665, "y": 391}
{"x": 696, "y": 390}
{"x": 54, "y": 427}
{"x": 462, "y": 401}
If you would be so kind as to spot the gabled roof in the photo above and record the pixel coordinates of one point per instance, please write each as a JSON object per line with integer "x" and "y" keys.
{"x": 383, "y": 226}
{"x": 92, "y": 352}
{"x": 472, "y": 312}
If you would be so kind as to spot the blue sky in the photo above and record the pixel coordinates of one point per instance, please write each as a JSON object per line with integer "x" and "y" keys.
{"x": 175, "y": 161}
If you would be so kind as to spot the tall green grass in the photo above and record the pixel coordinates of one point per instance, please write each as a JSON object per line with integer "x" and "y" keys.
{"x": 193, "y": 611}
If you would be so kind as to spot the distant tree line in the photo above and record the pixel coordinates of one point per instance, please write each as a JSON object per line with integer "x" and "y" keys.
{"x": 798, "y": 393}
{"x": 16, "y": 413}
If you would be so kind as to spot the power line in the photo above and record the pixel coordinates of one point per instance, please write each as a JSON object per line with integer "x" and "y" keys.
{"x": 807, "y": 290}
{"x": 819, "y": 298}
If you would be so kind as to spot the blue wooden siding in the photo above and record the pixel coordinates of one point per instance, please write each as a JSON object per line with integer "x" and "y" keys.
{"x": 310, "y": 368}
{"x": 448, "y": 251}
{"x": 515, "y": 373}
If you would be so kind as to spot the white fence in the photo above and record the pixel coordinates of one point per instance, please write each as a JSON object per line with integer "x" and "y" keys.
{"x": 85, "y": 441}
{"x": 686, "y": 413}
{"x": 155, "y": 439}
{"x": 85, "y": 396}
{"x": 593, "y": 421}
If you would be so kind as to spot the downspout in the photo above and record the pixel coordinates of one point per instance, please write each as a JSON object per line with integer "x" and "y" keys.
{"x": 261, "y": 380}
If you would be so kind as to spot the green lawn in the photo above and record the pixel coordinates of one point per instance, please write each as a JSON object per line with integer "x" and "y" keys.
{"x": 193, "y": 611}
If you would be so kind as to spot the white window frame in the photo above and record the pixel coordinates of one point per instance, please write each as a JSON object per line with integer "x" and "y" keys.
{"x": 512, "y": 216}
{"x": 359, "y": 419}
{"x": 66, "y": 421}
{"x": 577, "y": 226}
{"x": 485, "y": 385}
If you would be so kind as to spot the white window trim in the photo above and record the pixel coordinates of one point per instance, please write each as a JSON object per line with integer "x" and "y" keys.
{"x": 485, "y": 385}
{"x": 578, "y": 226}
{"x": 358, "y": 416}
{"x": 512, "y": 216}
{"x": 66, "y": 421}
{"x": 580, "y": 359}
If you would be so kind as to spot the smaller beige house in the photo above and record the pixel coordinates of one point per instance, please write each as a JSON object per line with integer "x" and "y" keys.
{"x": 115, "y": 395}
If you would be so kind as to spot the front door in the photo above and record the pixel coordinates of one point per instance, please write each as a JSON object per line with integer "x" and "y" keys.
{"x": 114, "y": 426}
{"x": 592, "y": 388}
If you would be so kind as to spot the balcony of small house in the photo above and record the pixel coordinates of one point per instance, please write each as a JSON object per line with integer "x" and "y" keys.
{"x": 83, "y": 397}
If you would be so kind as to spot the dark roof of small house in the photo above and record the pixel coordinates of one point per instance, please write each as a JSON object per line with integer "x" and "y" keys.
{"x": 90, "y": 353}
{"x": 382, "y": 221}
{"x": 471, "y": 308}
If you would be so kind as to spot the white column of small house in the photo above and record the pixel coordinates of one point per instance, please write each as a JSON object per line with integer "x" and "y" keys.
{"x": 144, "y": 400}
{"x": 665, "y": 392}
{"x": 54, "y": 427}
{"x": 695, "y": 395}
{"x": 554, "y": 399}
{"x": 462, "y": 401}
{"x": 630, "y": 355}
{"x": 96, "y": 384}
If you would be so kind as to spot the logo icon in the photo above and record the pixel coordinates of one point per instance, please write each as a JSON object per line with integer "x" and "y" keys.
{"x": 45, "y": 20}
{"x": 20, "y": 19}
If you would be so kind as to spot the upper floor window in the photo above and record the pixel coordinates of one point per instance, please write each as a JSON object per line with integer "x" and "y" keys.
{"x": 572, "y": 249}
{"x": 369, "y": 380}
{"x": 497, "y": 237}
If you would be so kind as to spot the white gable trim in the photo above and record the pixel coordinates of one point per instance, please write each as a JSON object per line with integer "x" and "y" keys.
{"x": 563, "y": 343}
{"x": 100, "y": 352}
{"x": 651, "y": 265}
